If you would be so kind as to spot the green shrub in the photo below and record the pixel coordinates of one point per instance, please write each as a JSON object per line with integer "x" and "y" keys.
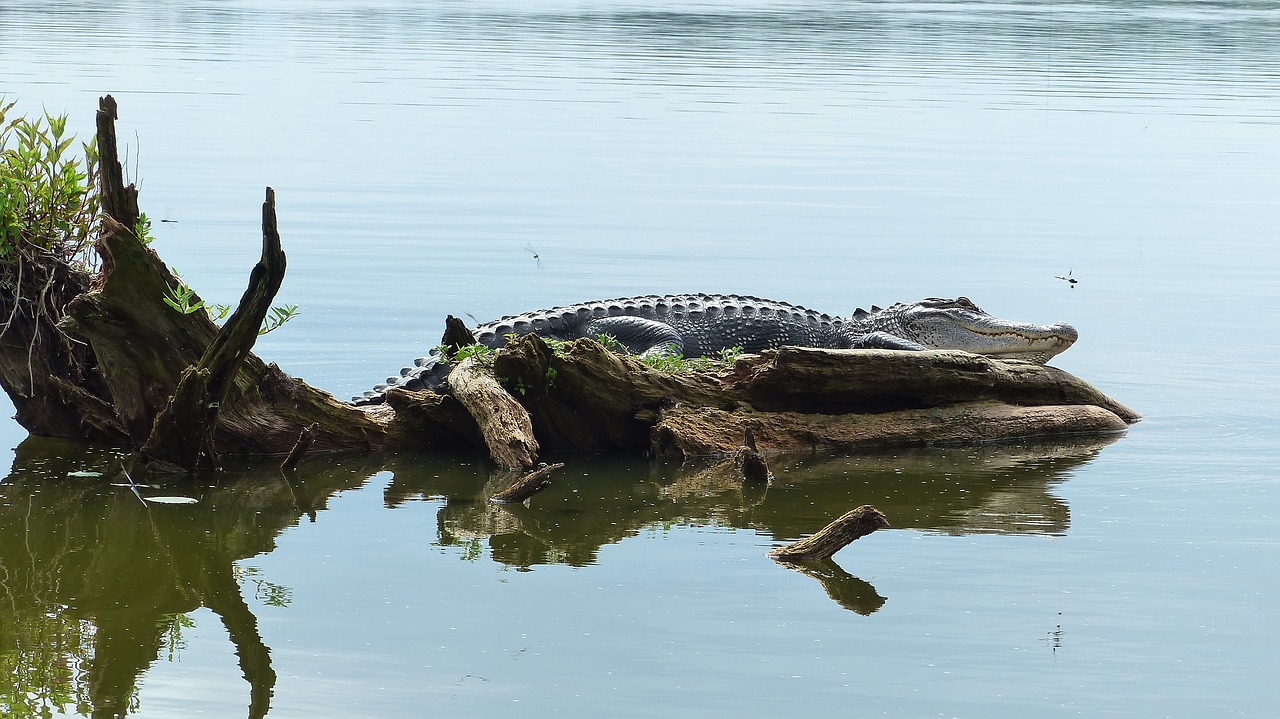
{"x": 49, "y": 204}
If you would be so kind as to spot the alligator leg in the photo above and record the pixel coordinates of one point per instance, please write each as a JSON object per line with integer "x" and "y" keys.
{"x": 639, "y": 335}
{"x": 886, "y": 341}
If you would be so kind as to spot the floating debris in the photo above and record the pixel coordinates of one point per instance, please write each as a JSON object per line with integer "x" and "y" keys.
{"x": 172, "y": 500}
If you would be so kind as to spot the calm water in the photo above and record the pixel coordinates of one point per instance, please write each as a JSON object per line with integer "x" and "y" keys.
{"x": 826, "y": 153}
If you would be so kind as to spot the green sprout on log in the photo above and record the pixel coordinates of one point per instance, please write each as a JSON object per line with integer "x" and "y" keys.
{"x": 181, "y": 298}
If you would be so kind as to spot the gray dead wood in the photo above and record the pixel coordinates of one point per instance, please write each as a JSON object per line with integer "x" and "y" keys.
{"x": 853, "y": 525}
{"x": 527, "y": 485}
{"x": 504, "y": 424}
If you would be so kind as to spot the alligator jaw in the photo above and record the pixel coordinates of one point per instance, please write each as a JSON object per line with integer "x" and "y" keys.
{"x": 1041, "y": 343}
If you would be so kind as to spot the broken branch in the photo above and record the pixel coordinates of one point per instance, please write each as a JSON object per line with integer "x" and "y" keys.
{"x": 853, "y": 525}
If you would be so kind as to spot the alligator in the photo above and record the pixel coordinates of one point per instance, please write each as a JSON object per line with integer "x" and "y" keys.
{"x": 698, "y": 325}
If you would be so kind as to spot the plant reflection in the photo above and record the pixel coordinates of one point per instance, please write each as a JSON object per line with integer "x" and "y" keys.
{"x": 96, "y": 586}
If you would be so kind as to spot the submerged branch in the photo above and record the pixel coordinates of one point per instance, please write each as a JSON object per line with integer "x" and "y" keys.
{"x": 853, "y": 525}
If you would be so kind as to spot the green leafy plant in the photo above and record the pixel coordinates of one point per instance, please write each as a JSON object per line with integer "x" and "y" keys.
{"x": 179, "y": 296}
{"x": 277, "y": 317}
{"x": 48, "y": 195}
{"x": 480, "y": 353}
{"x": 671, "y": 362}
{"x": 182, "y": 298}
{"x": 611, "y": 343}
{"x": 142, "y": 229}
{"x": 518, "y": 385}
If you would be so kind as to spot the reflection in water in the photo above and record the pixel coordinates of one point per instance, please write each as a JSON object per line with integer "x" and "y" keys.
{"x": 97, "y": 585}
{"x": 844, "y": 589}
{"x": 957, "y": 490}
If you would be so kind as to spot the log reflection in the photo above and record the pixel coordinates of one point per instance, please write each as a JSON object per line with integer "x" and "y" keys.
{"x": 844, "y": 589}
{"x": 95, "y": 586}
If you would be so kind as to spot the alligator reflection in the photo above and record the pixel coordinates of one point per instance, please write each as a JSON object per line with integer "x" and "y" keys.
{"x": 1004, "y": 488}
{"x": 96, "y": 585}
{"x": 962, "y": 490}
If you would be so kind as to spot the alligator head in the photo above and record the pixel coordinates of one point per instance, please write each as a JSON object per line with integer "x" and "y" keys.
{"x": 959, "y": 324}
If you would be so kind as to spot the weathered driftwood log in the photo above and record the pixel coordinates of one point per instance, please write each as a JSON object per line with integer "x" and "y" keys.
{"x": 863, "y": 381}
{"x": 587, "y": 397}
{"x": 853, "y": 525}
{"x": 53, "y": 378}
{"x": 504, "y": 424}
{"x": 700, "y": 431}
{"x": 427, "y": 420}
{"x": 527, "y": 485}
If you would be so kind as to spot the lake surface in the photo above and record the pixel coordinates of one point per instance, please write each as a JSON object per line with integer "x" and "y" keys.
{"x": 830, "y": 154}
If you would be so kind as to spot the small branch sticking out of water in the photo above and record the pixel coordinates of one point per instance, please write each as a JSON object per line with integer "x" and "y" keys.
{"x": 855, "y": 524}
{"x": 528, "y": 485}
{"x": 305, "y": 438}
{"x": 751, "y": 462}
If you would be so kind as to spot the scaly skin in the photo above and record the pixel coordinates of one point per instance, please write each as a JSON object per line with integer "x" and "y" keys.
{"x": 697, "y": 325}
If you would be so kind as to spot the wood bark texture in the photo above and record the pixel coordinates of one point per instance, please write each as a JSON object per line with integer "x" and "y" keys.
{"x": 852, "y": 525}
{"x": 504, "y": 424}
{"x": 527, "y": 485}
